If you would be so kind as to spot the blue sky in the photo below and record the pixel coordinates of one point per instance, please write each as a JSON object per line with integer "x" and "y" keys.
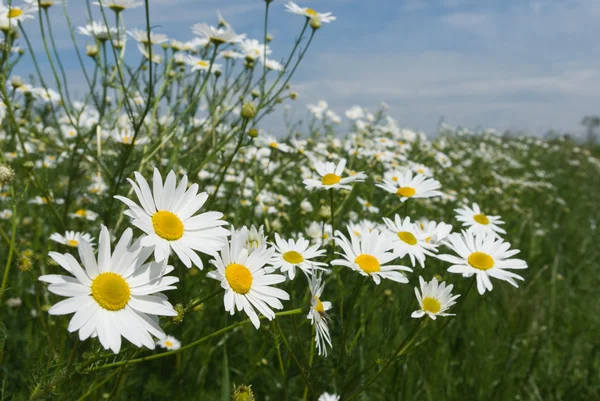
{"x": 518, "y": 64}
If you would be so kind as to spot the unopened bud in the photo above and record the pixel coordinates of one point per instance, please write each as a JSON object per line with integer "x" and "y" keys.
{"x": 325, "y": 212}
{"x": 255, "y": 93}
{"x": 315, "y": 22}
{"x": 248, "y": 110}
{"x": 91, "y": 50}
{"x": 294, "y": 95}
{"x": 253, "y": 133}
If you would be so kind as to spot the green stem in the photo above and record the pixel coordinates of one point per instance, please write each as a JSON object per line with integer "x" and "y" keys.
{"x": 10, "y": 254}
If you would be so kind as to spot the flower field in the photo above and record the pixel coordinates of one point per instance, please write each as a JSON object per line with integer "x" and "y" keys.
{"x": 160, "y": 240}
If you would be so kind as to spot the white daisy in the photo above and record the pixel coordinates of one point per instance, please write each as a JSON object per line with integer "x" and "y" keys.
{"x": 367, "y": 206}
{"x": 245, "y": 280}
{"x": 253, "y": 49}
{"x": 291, "y": 254}
{"x": 219, "y": 35}
{"x": 368, "y": 255}
{"x": 167, "y": 217}
{"x": 72, "y": 238}
{"x": 309, "y": 12}
{"x": 170, "y": 343}
{"x": 329, "y": 397}
{"x": 114, "y": 295}
{"x": 119, "y": 5}
{"x": 318, "y": 315}
{"x": 331, "y": 176}
{"x": 435, "y": 233}
{"x": 198, "y": 64}
{"x": 255, "y": 238}
{"x": 477, "y": 222}
{"x": 407, "y": 239}
{"x": 408, "y": 186}
{"x": 485, "y": 256}
{"x": 141, "y": 36}
{"x": 97, "y": 30}
{"x": 125, "y": 136}
{"x": 434, "y": 299}
{"x": 14, "y": 14}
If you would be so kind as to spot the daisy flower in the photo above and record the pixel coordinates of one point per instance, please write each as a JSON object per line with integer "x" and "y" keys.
{"x": 15, "y": 14}
{"x": 166, "y": 216}
{"x": 435, "y": 233}
{"x": 125, "y": 136}
{"x": 309, "y": 12}
{"x": 169, "y": 343}
{"x": 119, "y": 5}
{"x": 485, "y": 256}
{"x": 318, "y": 315}
{"x": 84, "y": 214}
{"x": 291, "y": 254}
{"x": 329, "y": 397}
{"x": 114, "y": 295}
{"x": 478, "y": 223}
{"x": 98, "y": 31}
{"x": 434, "y": 299}
{"x": 255, "y": 238}
{"x": 141, "y": 36}
{"x": 368, "y": 255}
{"x": 331, "y": 176}
{"x": 367, "y": 206}
{"x": 198, "y": 64}
{"x": 408, "y": 186}
{"x": 253, "y": 49}
{"x": 72, "y": 238}
{"x": 408, "y": 240}
{"x": 245, "y": 280}
{"x": 217, "y": 35}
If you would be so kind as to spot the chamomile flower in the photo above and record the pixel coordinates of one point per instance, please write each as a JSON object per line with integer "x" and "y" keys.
{"x": 331, "y": 176}
{"x": 169, "y": 343}
{"x": 408, "y": 186}
{"x": 329, "y": 397}
{"x": 291, "y": 254}
{"x": 125, "y": 136}
{"x": 367, "y": 206}
{"x": 166, "y": 216}
{"x": 435, "y": 233}
{"x": 141, "y": 36}
{"x": 115, "y": 295}
{"x": 219, "y": 35}
{"x": 198, "y": 64}
{"x": 407, "y": 239}
{"x": 477, "y": 222}
{"x": 84, "y": 214}
{"x": 485, "y": 256}
{"x": 119, "y": 5}
{"x": 309, "y": 12}
{"x": 245, "y": 280}
{"x": 98, "y": 31}
{"x": 253, "y": 49}
{"x": 434, "y": 299}
{"x": 318, "y": 315}
{"x": 368, "y": 255}
{"x": 15, "y": 14}
{"x": 72, "y": 238}
{"x": 255, "y": 238}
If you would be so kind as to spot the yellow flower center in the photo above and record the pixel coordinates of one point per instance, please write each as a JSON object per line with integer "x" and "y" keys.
{"x": 394, "y": 178}
{"x": 111, "y": 291}
{"x": 311, "y": 12}
{"x": 481, "y": 261}
{"x": 293, "y": 257}
{"x": 14, "y": 13}
{"x": 319, "y": 306}
{"x": 239, "y": 278}
{"x": 81, "y": 213}
{"x": 73, "y": 243}
{"x": 407, "y": 237}
{"x": 431, "y": 305}
{"x": 406, "y": 192}
{"x": 167, "y": 225}
{"x": 368, "y": 263}
{"x": 46, "y": 4}
{"x": 202, "y": 63}
{"x": 127, "y": 139}
{"x": 330, "y": 179}
{"x": 168, "y": 343}
{"x": 481, "y": 219}
{"x": 428, "y": 239}
{"x": 273, "y": 144}
{"x": 421, "y": 171}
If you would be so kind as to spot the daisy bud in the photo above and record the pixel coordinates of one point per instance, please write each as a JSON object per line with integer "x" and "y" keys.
{"x": 248, "y": 110}
{"x": 243, "y": 393}
{"x": 25, "y": 263}
{"x": 6, "y": 175}
{"x": 28, "y": 165}
{"x": 91, "y": 50}
{"x": 294, "y": 95}
{"x": 180, "y": 314}
{"x": 315, "y": 22}
{"x": 253, "y": 133}
{"x": 269, "y": 38}
{"x": 255, "y": 94}
{"x": 325, "y": 212}
{"x": 218, "y": 73}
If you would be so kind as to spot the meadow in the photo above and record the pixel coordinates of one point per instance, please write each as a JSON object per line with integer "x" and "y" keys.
{"x": 159, "y": 241}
